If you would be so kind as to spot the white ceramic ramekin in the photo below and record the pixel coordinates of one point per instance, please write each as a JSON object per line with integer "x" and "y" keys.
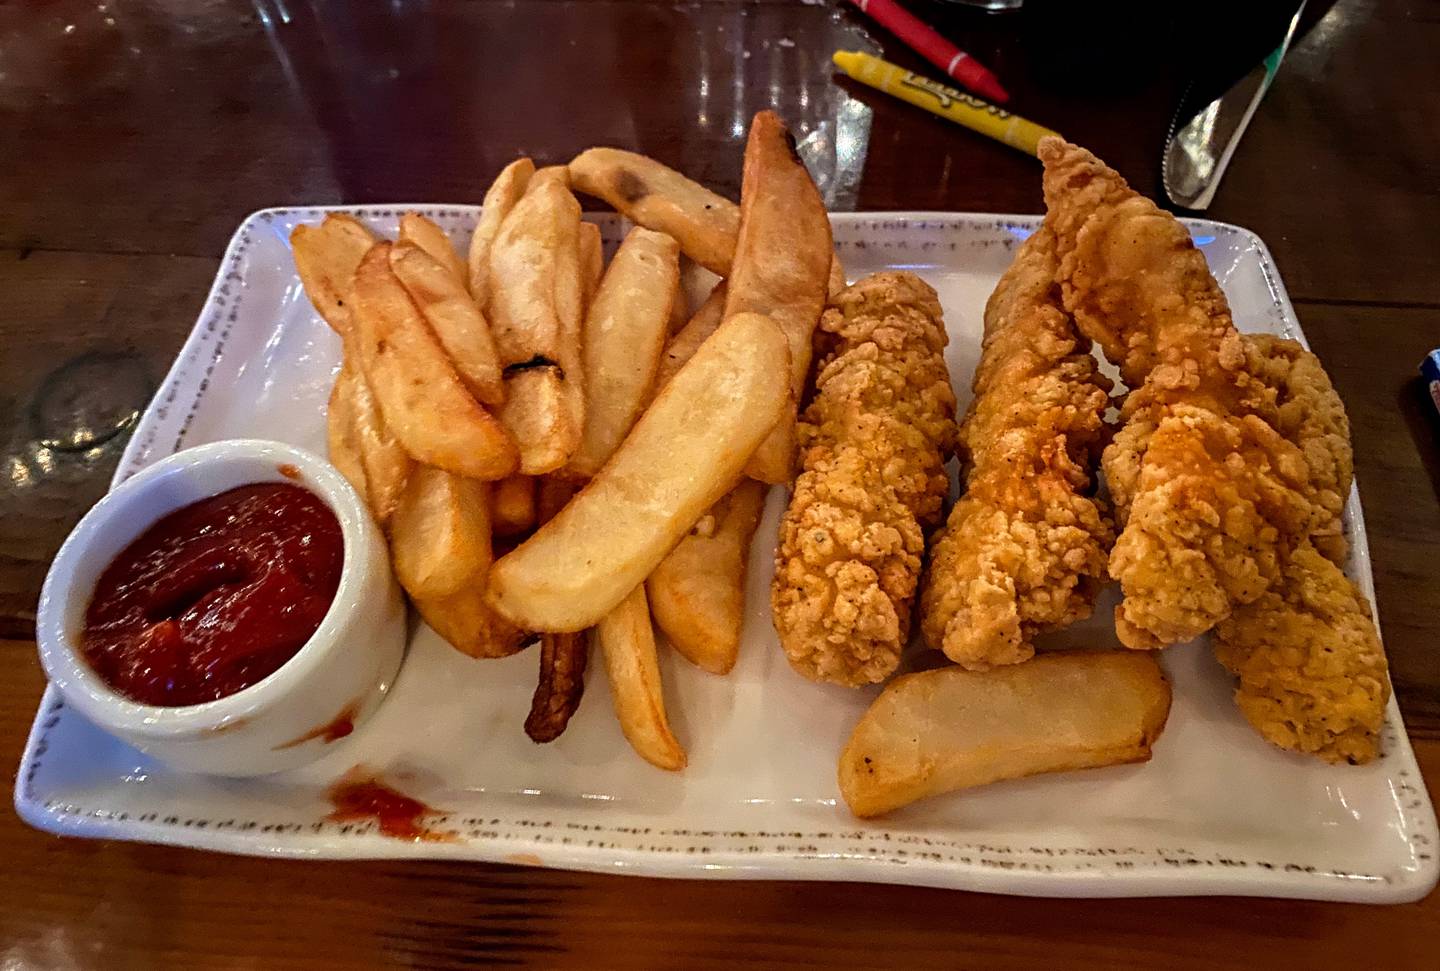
{"x": 341, "y": 674}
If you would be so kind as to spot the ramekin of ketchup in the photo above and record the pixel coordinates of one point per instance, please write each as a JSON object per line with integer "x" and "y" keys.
{"x": 225, "y": 609}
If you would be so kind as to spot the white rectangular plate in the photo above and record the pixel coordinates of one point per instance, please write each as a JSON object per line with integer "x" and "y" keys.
{"x": 1217, "y": 811}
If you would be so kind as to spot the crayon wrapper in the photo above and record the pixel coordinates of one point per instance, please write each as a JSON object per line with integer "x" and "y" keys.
{"x": 1430, "y": 374}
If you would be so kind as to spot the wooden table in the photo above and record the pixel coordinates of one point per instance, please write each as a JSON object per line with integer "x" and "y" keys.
{"x": 137, "y": 135}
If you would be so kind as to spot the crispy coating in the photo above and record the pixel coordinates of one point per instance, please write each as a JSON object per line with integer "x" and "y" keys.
{"x": 1229, "y": 475}
{"x": 1311, "y": 415}
{"x": 1024, "y": 549}
{"x": 1312, "y": 675}
{"x": 873, "y": 445}
{"x": 1311, "y": 672}
{"x": 1205, "y": 488}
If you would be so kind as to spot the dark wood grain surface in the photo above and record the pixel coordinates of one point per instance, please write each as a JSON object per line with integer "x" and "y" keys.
{"x": 135, "y": 136}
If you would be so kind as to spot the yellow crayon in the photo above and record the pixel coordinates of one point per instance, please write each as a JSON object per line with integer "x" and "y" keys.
{"x": 936, "y": 98}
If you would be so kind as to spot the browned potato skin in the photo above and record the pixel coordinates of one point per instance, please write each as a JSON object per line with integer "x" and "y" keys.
{"x": 697, "y": 593}
{"x": 687, "y": 340}
{"x": 454, "y": 318}
{"x": 1062, "y": 710}
{"x": 440, "y": 533}
{"x": 657, "y": 197}
{"x": 668, "y": 471}
{"x": 508, "y": 188}
{"x": 624, "y": 337}
{"x": 326, "y": 257}
{"x": 782, "y": 265}
{"x": 422, "y": 399}
{"x": 627, "y": 644}
{"x": 561, "y": 685}
{"x": 342, "y": 438}
{"x": 387, "y": 465}
{"x": 419, "y": 231}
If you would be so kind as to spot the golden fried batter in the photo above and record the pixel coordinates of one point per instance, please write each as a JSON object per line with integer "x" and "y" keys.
{"x": 1312, "y": 672}
{"x": 1024, "y": 549}
{"x": 1205, "y": 488}
{"x": 873, "y": 446}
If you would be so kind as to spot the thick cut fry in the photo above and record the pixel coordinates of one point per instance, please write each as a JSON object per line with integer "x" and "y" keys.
{"x": 421, "y": 397}
{"x": 950, "y": 729}
{"x": 500, "y": 198}
{"x": 623, "y": 338}
{"x": 687, "y": 340}
{"x": 592, "y": 261}
{"x": 453, "y": 316}
{"x": 512, "y": 504}
{"x": 659, "y": 198}
{"x": 627, "y": 642}
{"x": 563, "y": 658}
{"x": 697, "y": 593}
{"x": 684, "y": 453}
{"x": 535, "y": 315}
{"x": 782, "y": 267}
{"x": 326, "y": 257}
{"x": 468, "y": 625}
{"x": 440, "y": 532}
{"x": 387, "y": 464}
{"x": 419, "y": 231}
{"x": 342, "y": 437}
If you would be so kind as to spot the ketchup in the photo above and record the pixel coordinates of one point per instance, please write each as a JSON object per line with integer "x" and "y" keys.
{"x": 215, "y": 596}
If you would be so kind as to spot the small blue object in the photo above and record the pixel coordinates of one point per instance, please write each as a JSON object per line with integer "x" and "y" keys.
{"x": 1430, "y": 372}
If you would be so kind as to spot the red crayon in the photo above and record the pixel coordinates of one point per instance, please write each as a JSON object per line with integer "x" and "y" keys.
{"x": 934, "y": 48}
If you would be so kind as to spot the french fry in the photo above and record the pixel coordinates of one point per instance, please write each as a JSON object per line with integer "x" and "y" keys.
{"x": 454, "y": 318}
{"x": 326, "y": 257}
{"x": 341, "y": 434}
{"x": 685, "y": 452}
{"x": 440, "y": 533}
{"x": 561, "y": 685}
{"x": 500, "y": 198}
{"x": 535, "y": 315}
{"x": 513, "y": 505}
{"x": 592, "y": 261}
{"x": 659, "y": 198}
{"x": 624, "y": 336}
{"x": 627, "y": 643}
{"x": 468, "y": 625}
{"x": 387, "y": 465}
{"x": 422, "y": 399}
{"x": 697, "y": 593}
{"x": 948, "y": 729}
{"x": 782, "y": 267}
{"x": 559, "y": 174}
{"x": 421, "y": 232}
{"x": 687, "y": 340}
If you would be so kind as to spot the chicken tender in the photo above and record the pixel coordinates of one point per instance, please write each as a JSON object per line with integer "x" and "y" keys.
{"x": 1025, "y": 548}
{"x": 1312, "y": 675}
{"x": 1205, "y": 488}
{"x": 873, "y": 444}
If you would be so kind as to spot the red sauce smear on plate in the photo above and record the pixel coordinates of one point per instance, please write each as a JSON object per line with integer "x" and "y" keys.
{"x": 360, "y": 798}
{"x": 216, "y": 596}
{"x": 332, "y": 731}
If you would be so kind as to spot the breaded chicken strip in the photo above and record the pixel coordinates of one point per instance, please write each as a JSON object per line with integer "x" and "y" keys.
{"x": 1205, "y": 488}
{"x": 1024, "y": 550}
{"x": 1312, "y": 675}
{"x": 873, "y": 446}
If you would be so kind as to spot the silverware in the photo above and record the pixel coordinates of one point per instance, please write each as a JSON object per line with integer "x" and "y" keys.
{"x": 1197, "y": 152}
